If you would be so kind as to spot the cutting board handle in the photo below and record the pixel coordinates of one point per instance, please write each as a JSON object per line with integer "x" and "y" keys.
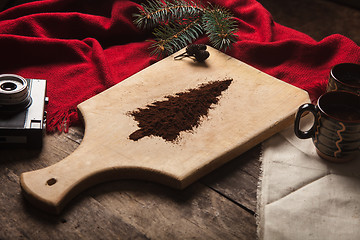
{"x": 51, "y": 188}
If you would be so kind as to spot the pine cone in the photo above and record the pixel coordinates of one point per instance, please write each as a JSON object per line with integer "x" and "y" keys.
{"x": 201, "y": 55}
{"x": 192, "y": 49}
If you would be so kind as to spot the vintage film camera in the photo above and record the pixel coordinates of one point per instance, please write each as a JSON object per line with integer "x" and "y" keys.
{"x": 22, "y": 111}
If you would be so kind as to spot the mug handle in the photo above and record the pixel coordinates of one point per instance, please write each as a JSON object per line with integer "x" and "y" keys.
{"x": 307, "y": 107}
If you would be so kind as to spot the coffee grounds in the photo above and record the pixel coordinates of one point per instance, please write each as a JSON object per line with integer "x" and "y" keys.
{"x": 181, "y": 112}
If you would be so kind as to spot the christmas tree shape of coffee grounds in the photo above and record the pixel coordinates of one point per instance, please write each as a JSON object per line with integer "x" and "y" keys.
{"x": 180, "y": 112}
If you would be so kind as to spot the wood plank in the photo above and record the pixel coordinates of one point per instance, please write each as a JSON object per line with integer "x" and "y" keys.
{"x": 164, "y": 213}
{"x": 238, "y": 179}
{"x": 21, "y": 220}
{"x": 123, "y": 209}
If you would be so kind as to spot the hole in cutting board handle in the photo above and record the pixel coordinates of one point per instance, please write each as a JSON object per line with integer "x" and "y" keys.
{"x": 51, "y": 181}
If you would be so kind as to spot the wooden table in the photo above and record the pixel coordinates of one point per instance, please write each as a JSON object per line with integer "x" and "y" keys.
{"x": 221, "y": 205}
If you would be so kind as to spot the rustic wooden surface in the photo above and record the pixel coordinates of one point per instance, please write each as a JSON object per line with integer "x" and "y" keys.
{"x": 219, "y": 206}
{"x": 248, "y": 112}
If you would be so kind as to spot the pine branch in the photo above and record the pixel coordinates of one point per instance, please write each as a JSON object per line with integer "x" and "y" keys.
{"x": 220, "y": 26}
{"x": 156, "y": 12}
{"x": 179, "y": 22}
{"x": 174, "y": 36}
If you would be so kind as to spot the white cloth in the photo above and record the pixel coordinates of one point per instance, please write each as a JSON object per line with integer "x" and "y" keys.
{"x": 302, "y": 196}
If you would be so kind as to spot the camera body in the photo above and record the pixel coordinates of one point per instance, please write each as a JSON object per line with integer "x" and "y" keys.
{"x": 22, "y": 111}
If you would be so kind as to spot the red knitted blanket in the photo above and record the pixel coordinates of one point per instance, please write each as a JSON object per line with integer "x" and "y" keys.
{"x": 82, "y": 47}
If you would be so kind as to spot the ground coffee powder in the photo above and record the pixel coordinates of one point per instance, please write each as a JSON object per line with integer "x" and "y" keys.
{"x": 180, "y": 112}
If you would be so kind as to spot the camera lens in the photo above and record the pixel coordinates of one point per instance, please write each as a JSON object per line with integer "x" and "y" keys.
{"x": 14, "y": 92}
{"x": 8, "y": 86}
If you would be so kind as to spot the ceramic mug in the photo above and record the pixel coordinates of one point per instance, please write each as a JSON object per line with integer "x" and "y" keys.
{"x": 336, "y": 128}
{"x": 345, "y": 76}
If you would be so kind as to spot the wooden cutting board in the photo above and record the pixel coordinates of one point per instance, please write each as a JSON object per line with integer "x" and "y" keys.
{"x": 253, "y": 107}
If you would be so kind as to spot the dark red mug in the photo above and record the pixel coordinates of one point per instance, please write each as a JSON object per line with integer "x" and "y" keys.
{"x": 336, "y": 128}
